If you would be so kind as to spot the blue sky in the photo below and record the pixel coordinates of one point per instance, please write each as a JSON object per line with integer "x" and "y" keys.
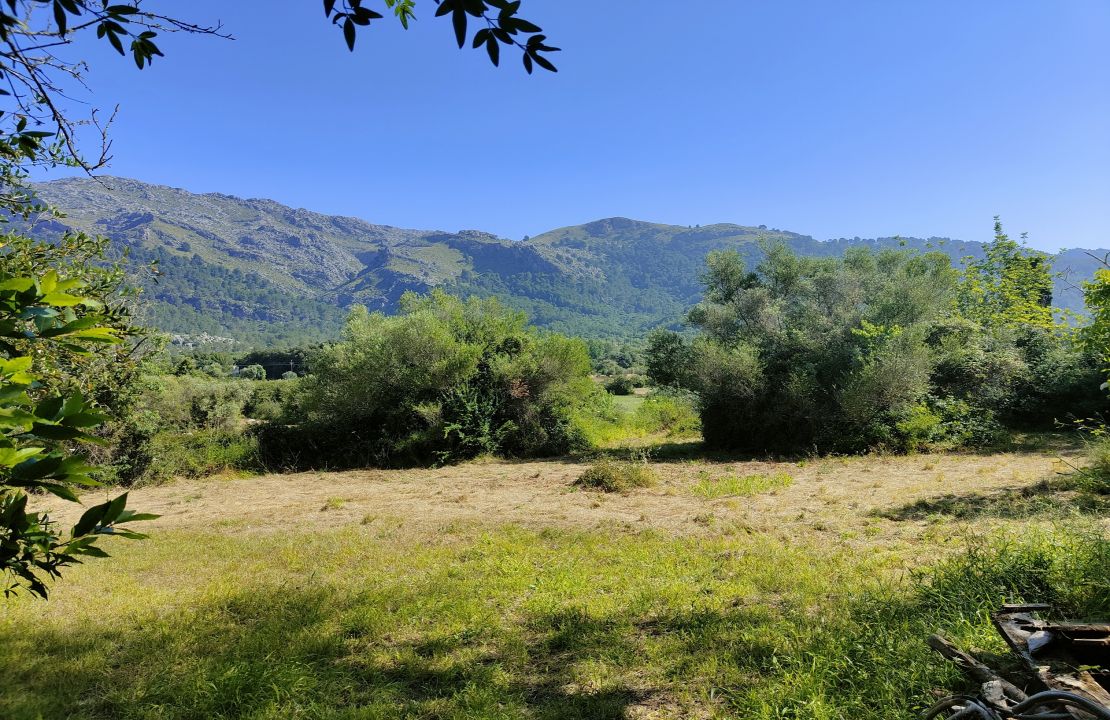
{"x": 835, "y": 119}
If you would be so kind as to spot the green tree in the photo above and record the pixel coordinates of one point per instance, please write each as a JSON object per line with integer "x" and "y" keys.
{"x": 253, "y": 372}
{"x": 667, "y": 357}
{"x": 1096, "y": 294}
{"x": 1011, "y": 286}
{"x": 807, "y": 352}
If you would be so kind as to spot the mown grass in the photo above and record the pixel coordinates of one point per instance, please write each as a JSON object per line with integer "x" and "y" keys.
{"x": 515, "y": 624}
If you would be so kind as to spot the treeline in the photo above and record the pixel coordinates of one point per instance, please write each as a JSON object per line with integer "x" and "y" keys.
{"x": 887, "y": 350}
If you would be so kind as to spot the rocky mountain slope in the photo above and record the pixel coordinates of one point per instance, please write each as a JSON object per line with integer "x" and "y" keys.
{"x": 265, "y": 273}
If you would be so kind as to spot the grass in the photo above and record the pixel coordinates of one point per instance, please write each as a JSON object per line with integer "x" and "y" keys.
{"x": 408, "y": 604}
{"x": 511, "y": 624}
{"x": 627, "y": 404}
{"x": 739, "y": 486}
{"x": 621, "y": 476}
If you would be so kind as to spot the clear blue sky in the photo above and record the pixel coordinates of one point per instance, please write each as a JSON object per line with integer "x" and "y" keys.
{"x": 856, "y": 117}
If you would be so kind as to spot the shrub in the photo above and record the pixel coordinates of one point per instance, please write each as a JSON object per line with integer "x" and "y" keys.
{"x": 191, "y": 402}
{"x": 869, "y": 351}
{"x": 253, "y": 372}
{"x": 620, "y": 476}
{"x": 621, "y": 385}
{"x": 1094, "y": 477}
{"x": 447, "y": 379}
{"x": 271, "y": 401}
{"x": 201, "y": 453}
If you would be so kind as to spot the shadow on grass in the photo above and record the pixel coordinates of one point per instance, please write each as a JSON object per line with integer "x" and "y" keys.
{"x": 1048, "y": 498}
{"x": 265, "y": 652}
{"x": 270, "y": 653}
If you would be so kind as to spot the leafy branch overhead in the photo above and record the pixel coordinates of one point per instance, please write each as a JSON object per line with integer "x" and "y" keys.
{"x": 500, "y": 25}
{"x": 39, "y": 315}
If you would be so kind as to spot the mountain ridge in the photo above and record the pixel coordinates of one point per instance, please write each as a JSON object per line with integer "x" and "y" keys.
{"x": 263, "y": 272}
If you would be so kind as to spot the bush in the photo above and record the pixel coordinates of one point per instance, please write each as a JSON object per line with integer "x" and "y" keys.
{"x": 253, "y": 372}
{"x": 201, "y": 453}
{"x": 446, "y": 380}
{"x": 620, "y": 385}
{"x": 271, "y": 401}
{"x": 1094, "y": 477}
{"x": 191, "y": 402}
{"x": 609, "y": 476}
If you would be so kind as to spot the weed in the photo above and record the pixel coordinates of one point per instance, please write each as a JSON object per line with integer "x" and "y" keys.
{"x": 617, "y": 476}
{"x": 740, "y": 486}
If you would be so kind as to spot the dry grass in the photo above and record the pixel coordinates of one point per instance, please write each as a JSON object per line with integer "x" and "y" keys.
{"x": 847, "y": 499}
{"x": 500, "y": 590}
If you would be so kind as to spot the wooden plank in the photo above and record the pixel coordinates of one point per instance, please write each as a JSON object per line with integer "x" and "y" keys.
{"x": 974, "y": 669}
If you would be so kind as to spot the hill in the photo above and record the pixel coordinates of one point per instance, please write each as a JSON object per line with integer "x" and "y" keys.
{"x": 261, "y": 273}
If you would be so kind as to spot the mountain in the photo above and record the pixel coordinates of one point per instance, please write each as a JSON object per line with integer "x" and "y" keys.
{"x": 261, "y": 273}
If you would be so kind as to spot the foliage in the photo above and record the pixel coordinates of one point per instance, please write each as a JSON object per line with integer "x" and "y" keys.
{"x": 672, "y": 413}
{"x": 253, "y": 372}
{"x": 279, "y": 362}
{"x": 621, "y": 385}
{"x": 814, "y": 352}
{"x": 608, "y": 475}
{"x": 500, "y": 28}
{"x": 667, "y": 358}
{"x": 1010, "y": 287}
{"x": 48, "y": 317}
{"x": 1096, "y": 333}
{"x": 200, "y": 453}
{"x": 449, "y": 379}
{"x": 887, "y": 350}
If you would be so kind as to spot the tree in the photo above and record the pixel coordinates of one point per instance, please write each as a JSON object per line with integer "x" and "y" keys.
{"x": 1011, "y": 286}
{"x": 667, "y": 358}
{"x": 253, "y": 372}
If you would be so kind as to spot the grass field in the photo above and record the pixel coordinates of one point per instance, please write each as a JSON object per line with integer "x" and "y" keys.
{"x": 499, "y": 590}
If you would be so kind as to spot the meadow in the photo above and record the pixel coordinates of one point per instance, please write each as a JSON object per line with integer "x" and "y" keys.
{"x": 499, "y": 589}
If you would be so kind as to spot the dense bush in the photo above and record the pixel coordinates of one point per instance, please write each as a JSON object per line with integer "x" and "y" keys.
{"x": 620, "y": 385}
{"x": 193, "y": 425}
{"x": 446, "y": 379}
{"x": 253, "y": 372}
{"x": 873, "y": 350}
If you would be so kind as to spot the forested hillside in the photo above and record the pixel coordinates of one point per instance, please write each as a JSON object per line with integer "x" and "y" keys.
{"x": 264, "y": 273}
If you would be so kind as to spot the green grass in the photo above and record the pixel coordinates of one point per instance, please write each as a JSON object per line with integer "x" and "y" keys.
{"x": 514, "y": 624}
{"x": 627, "y": 404}
{"x": 739, "y": 486}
